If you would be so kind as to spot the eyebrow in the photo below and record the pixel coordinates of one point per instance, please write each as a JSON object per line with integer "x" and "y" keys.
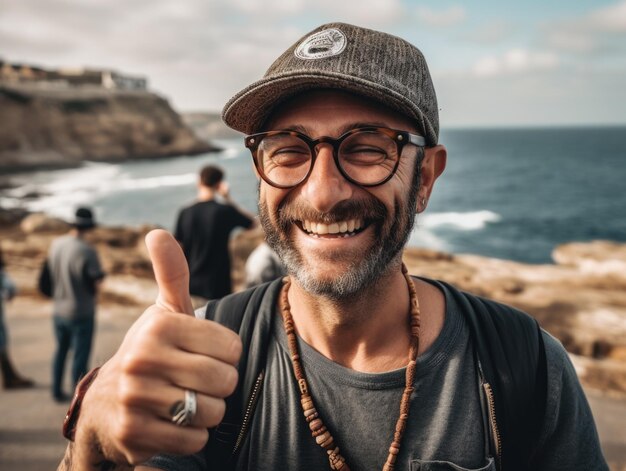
{"x": 359, "y": 124}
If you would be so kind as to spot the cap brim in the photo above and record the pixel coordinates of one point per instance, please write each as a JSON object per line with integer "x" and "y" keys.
{"x": 249, "y": 109}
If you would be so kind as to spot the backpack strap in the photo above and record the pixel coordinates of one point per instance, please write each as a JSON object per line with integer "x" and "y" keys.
{"x": 510, "y": 348}
{"x": 249, "y": 313}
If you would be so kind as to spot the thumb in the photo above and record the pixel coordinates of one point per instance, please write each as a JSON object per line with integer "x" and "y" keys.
{"x": 170, "y": 271}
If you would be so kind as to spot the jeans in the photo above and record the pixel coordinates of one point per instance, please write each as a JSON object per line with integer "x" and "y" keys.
{"x": 75, "y": 334}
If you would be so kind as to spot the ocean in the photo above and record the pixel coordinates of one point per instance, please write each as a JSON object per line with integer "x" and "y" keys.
{"x": 506, "y": 193}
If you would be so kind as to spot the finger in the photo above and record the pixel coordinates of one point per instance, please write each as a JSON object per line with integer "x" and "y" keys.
{"x": 159, "y": 399}
{"x": 170, "y": 271}
{"x": 186, "y": 370}
{"x": 143, "y": 435}
{"x": 193, "y": 335}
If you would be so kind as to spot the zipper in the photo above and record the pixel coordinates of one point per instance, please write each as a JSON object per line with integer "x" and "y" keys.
{"x": 254, "y": 397}
{"x": 497, "y": 439}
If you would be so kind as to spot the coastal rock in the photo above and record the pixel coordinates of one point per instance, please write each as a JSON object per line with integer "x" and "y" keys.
{"x": 600, "y": 258}
{"x": 40, "y": 222}
{"x": 61, "y": 127}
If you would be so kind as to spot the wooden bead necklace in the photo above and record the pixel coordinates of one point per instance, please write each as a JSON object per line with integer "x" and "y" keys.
{"x": 319, "y": 431}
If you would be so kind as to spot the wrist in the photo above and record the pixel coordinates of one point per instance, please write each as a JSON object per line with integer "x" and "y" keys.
{"x": 73, "y": 413}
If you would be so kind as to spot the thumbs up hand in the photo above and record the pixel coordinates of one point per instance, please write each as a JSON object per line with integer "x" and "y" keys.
{"x": 170, "y": 271}
{"x": 128, "y": 407}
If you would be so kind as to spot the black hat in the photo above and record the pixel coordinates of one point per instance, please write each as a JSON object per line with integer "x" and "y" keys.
{"x": 83, "y": 219}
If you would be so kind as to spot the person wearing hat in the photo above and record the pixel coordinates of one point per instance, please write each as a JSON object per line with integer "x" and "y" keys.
{"x": 75, "y": 273}
{"x": 348, "y": 362}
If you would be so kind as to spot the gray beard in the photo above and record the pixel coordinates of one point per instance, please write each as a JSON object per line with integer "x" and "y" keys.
{"x": 364, "y": 270}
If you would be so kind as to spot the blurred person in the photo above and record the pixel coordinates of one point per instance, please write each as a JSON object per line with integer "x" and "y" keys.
{"x": 263, "y": 264}
{"x": 203, "y": 230}
{"x": 76, "y": 274}
{"x": 349, "y": 362}
{"x": 11, "y": 379}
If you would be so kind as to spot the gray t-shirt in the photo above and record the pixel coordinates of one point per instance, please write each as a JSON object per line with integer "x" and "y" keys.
{"x": 74, "y": 267}
{"x": 447, "y": 427}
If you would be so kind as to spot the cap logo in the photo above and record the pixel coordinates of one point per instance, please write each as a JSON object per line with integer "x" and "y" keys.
{"x": 325, "y": 43}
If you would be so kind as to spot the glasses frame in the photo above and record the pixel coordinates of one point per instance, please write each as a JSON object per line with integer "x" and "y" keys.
{"x": 401, "y": 138}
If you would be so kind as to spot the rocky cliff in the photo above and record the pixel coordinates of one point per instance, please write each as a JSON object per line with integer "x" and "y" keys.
{"x": 61, "y": 127}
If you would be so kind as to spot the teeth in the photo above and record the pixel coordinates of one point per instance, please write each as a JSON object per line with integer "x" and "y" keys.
{"x": 343, "y": 228}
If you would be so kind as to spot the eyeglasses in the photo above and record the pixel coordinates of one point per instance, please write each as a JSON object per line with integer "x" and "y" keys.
{"x": 366, "y": 156}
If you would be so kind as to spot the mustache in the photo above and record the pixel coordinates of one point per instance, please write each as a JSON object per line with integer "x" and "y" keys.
{"x": 298, "y": 210}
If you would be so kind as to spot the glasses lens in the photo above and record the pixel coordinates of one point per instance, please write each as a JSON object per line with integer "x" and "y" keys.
{"x": 368, "y": 157}
{"x": 284, "y": 159}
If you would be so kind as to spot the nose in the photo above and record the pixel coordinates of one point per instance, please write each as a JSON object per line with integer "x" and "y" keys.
{"x": 326, "y": 186}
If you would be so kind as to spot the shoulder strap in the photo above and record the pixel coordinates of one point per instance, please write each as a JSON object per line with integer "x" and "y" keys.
{"x": 250, "y": 314}
{"x": 512, "y": 354}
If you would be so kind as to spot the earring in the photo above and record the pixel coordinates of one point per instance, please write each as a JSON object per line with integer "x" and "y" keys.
{"x": 422, "y": 204}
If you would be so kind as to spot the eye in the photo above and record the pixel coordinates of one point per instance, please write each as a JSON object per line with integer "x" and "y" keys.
{"x": 363, "y": 154}
{"x": 289, "y": 156}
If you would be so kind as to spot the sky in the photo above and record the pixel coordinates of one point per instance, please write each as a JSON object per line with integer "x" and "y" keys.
{"x": 494, "y": 63}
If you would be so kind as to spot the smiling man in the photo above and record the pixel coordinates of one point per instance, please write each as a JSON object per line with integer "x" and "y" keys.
{"x": 349, "y": 362}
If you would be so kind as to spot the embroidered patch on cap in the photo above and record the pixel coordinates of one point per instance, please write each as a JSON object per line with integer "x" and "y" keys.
{"x": 325, "y": 43}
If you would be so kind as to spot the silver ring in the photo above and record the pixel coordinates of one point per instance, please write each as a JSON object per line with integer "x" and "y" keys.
{"x": 183, "y": 412}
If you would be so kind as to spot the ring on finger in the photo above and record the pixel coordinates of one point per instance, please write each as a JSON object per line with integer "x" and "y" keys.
{"x": 183, "y": 412}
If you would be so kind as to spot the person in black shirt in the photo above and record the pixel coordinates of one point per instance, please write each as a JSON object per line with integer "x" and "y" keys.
{"x": 203, "y": 230}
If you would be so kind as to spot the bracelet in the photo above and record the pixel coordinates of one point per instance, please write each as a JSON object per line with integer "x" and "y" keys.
{"x": 69, "y": 423}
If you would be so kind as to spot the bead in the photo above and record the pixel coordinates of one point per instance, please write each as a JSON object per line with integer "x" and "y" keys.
{"x": 329, "y": 442}
{"x": 321, "y": 438}
{"x": 315, "y": 425}
{"x": 304, "y": 390}
{"x": 394, "y": 450}
{"x": 320, "y": 431}
{"x": 334, "y": 452}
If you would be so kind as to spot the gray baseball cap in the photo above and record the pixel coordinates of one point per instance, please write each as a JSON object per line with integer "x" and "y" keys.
{"x": 341, "y": 56}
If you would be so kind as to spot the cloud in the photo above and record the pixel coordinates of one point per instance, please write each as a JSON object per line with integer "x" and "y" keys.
{"x": 451, "y": 16}
{"x": 491, "y": 32}
{"x": 610, "y": 19}
{"x": 601, "y": 31}
{"x": 514, "y": 61}
{"x": 373, "y": 12}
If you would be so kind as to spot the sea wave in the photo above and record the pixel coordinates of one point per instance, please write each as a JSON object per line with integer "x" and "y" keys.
{"x": 466, "y": 221}
{"x": 84, "y": 186}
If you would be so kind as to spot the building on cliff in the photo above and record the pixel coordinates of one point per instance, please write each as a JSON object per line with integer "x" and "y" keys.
{"x": 13, "y": 73}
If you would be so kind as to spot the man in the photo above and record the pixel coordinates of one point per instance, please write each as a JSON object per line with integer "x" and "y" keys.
{"x": 350, "y": 363}
{"x": 203, "y": 230}
{"x": 75, "y": 273}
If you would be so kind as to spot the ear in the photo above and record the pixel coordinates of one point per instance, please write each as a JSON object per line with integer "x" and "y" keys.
{"x": 433, "y": 165}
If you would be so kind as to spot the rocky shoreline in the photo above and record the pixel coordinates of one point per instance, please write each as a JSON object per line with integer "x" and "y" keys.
{"x": 581, "y": 299}
{"x": 48, "y": 127}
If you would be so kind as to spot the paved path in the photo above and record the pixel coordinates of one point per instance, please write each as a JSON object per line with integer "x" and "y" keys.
{"x": 30, "y": 422}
